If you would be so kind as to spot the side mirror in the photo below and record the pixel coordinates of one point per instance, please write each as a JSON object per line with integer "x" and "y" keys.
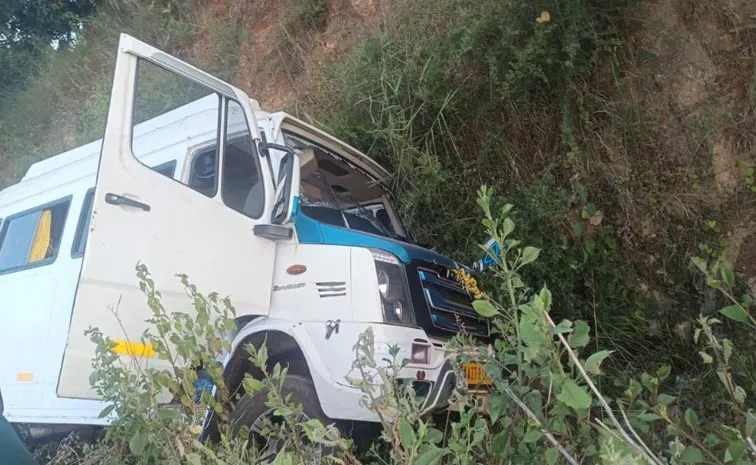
{"x": 284, "y": 202}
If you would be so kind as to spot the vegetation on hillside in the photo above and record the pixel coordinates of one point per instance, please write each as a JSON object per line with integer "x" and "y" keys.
{"x": 551, "y": 401}
{"x": 622, "y": 132}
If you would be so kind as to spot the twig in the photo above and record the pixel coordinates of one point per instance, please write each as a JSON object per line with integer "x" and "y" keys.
{"x": 751, "y": 445}
{"x": 544, "y": 431}
{"x": 635, "y": 435}
{"x": 628, "y": 439}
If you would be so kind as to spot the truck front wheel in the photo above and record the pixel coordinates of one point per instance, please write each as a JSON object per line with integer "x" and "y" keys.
{"x": 252, "y": 412}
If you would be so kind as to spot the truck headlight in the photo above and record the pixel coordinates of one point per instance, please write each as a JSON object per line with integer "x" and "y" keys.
{"x": 383, "y": 282}
{"x": 392, "y": 286}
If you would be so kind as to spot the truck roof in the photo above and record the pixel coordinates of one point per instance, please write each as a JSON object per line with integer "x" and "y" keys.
{"x": 181, "y": 124}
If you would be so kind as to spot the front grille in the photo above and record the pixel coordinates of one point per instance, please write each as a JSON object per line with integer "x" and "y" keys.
{"x": 441, "y": 304}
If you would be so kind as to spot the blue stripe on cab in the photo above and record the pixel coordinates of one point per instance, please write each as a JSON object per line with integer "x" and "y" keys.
{"x": 310, "y": 231}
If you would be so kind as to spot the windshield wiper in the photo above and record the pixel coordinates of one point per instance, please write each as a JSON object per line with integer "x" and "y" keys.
{"x": 369, "y": 216}
{"x": 333, "y": 198}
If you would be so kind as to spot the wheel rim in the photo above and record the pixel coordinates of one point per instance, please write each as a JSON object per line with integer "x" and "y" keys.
{"x": 268, "y": 447}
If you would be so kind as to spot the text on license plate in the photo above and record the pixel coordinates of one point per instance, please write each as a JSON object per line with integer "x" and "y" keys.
{"x": 475, "y": 375}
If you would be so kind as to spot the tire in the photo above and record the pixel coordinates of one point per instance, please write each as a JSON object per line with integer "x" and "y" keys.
{"x": 250, "y": 408}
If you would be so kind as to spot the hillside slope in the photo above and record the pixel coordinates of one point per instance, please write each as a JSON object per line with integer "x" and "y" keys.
{"x": 623, "y": 132}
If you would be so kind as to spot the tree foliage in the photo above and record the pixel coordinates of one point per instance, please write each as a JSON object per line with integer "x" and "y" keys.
{"x": 30, "y": 28}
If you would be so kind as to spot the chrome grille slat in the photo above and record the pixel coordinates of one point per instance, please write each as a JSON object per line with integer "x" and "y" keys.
{"x": 331, "y": 289}
{"x": 449, "y": 303}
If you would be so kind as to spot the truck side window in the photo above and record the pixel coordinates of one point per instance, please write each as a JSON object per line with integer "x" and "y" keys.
{"x": 82, "y": 228}
{"x": 159, "y": 91}
{"x": 33, "y": 237}
{"x": 243, "y": 188}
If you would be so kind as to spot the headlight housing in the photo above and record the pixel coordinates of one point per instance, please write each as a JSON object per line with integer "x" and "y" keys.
{"x": 392, "y": 286}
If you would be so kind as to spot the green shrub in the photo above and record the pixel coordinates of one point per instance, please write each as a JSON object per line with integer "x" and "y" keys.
{"x": 547, "y": 402}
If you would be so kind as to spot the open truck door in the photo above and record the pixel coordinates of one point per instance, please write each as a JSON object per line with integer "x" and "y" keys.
{"x": 200, "y": 225}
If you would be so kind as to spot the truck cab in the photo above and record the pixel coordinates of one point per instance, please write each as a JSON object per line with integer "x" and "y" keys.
{"x": 298, "y": 228}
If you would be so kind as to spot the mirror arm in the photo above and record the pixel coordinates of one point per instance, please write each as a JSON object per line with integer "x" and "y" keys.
{"x": 266, "y": 146}
{"x": 273, "y": 232}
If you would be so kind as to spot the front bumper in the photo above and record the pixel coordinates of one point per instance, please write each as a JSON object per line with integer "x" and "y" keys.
{"x": 441, "y": 390}
{"x": 450, "y": 379}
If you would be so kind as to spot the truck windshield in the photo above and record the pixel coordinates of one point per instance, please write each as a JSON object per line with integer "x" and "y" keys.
{"x": 335, "y": 192}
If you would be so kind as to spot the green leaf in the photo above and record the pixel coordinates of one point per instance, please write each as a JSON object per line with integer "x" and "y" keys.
{"x": 252, "y": 385}
{"x": 435, "y": 435}
{"x": 728, "y": 276}
{"x": 431, "y": 456}
{"x": 633, "y": 389}
{"x": 552, "y": 455}
{"x": 713, "y": 283}
{"x": 663, "y": 372}
{"x": 735, "y": 312}
{"x": 485, "y": 308}
{"x": 574, "y": 396}
{"x": 674, "y": 430}
{"x": 193, "y": 459}
{"x": 499, "y": 442}
{"x": 579, "y": 337}
{"x": 531, "y": 335}
{"x": 168, "y": 414}
{"x": 692, "y": 455}
{"x": 726, "y": 350}
{"x": 106, "y": 411}
{"x": 406, "y": 433}
{"x": 545, "y": 296}
{"x": 707, "y": 359}
{"x": 739, "y": 395}
{"x": 691, "y": 418}
{"x": 529, "y": 254}
{"x": 138, "y": 443}
{"x": 314, "y": 429}
{"x": 578, "y": 228}
{"x": 532, "y": 436}
{"x": 700, "y": 263}
{"x": 665, "y": 399}
{"x": 563, "y": 327}
{"x": 496, "y": 404}
{"x": 648, "y": 416}
{"x": 593, "y": 364}
{"x": 508, "y": 227}
{"x": 735, "y": 450}
{"x": 750, "y": 422}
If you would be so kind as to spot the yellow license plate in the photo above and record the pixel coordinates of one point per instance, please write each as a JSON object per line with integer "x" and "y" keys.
{"x": 475, "y": 375}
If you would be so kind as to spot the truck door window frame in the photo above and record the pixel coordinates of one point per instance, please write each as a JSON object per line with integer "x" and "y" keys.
{"x": 85, "y": 216}
{"x": 228, "y": 141}
{"x": 64, "y": 201}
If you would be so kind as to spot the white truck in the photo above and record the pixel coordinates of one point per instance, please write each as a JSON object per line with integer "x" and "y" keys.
{"x": 294, "y": 225}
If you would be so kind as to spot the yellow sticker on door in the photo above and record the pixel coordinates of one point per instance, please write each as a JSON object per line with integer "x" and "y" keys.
{"x": 24, "y": 377}
{"x": 136, "y": 349}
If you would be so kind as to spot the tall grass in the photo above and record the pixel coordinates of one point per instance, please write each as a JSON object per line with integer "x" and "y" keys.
{"x": 450, "y": 95}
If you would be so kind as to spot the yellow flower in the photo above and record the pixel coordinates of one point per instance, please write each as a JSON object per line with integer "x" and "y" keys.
{"x": 544, "y": 18}
{"x": 470, "y": 284}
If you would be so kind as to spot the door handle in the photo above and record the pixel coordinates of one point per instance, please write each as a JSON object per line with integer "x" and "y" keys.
{"x": 115, "y": 199}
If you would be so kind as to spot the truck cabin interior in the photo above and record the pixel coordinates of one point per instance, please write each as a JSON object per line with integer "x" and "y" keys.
{"x": 334, "y": 192}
